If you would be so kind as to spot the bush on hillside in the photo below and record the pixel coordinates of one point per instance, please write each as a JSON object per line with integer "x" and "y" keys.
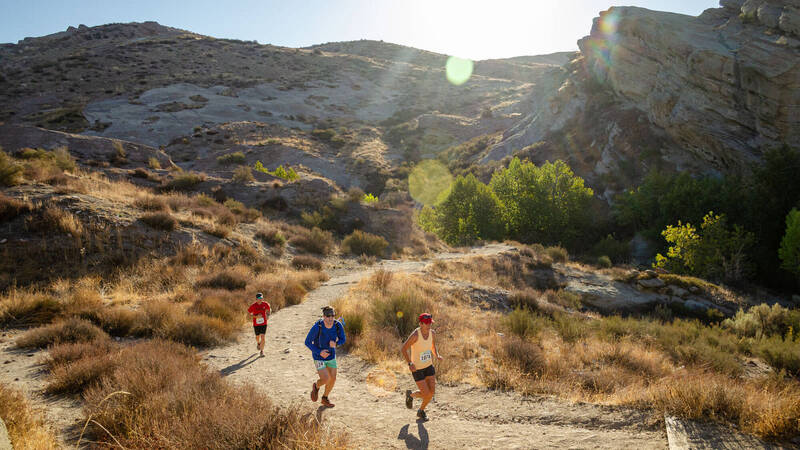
{"x": 243, "y": 174}
{"x": 231, "y": 158}
{"x": 160, "y": 221}
{"x": 10, "y": 171}
{"x": 314, "y": 241}
{"x": 362, "y": 243}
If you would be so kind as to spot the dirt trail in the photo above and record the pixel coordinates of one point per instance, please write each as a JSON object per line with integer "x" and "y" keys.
{"x": 461, "y": 415}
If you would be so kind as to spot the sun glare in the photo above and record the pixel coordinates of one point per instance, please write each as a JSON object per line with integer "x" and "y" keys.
{"x": 458, "y": 70}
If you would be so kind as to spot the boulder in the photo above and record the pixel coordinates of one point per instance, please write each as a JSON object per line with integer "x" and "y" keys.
{"x": 677, "y": 291}
{"x": 651, "y": 283}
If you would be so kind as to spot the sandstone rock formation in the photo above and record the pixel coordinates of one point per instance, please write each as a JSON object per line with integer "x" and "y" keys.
{"x": 717, "y": 90}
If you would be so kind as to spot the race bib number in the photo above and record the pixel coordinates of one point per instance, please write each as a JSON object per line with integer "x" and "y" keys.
{"x": 320, "y": 364}
{"x": 425, "y": 356}
{"x": 259, "y": 321}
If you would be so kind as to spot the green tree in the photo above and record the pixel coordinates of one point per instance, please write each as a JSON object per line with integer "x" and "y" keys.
{"x": 546, "y": 204}
{"x": 717, "y": 252}
{"x": 470, "y": 211}
{"x": 789, "y": 251}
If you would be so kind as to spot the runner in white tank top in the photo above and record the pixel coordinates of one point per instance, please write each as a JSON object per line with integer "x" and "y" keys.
{"x": 422, "y": 347}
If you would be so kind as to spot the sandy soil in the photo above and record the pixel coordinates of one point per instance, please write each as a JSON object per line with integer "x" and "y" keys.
{"x": 375, "y": 415}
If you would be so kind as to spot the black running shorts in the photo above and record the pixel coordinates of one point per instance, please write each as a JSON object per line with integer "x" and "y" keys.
{"x": 260, "y": 329}
{"x": 420, "y": 374}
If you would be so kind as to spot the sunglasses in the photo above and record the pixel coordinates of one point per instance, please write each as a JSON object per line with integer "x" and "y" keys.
{"x": 329, "y": 315}
{"x": 426, "y": 317}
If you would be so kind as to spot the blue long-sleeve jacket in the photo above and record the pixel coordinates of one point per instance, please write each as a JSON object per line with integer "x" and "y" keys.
{"x": 334, "y": 333}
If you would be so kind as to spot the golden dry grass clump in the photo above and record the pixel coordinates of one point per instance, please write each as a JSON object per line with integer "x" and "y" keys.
{"x": 155, "y": 394}
{"x": 26, "y": 429}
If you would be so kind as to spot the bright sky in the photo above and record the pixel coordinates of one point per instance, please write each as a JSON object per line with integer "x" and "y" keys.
{"x": 476, "y": 29}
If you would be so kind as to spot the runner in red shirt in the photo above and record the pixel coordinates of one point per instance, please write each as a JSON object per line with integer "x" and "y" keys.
{"x": 260, "y": 310}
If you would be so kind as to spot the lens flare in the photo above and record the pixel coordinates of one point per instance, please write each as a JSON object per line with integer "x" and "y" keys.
{"x": 458, "y": 70}
{"x": 428, "y": 181}
{"x": 603, "y": 42}
{"x": 381, "y": 382}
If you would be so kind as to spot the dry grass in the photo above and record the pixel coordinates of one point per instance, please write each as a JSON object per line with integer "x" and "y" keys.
{"x": 160, "y": 221}
{"x": 65, "y": 331}
{"x": 270, "y": 235}
{"x": 171, "y": 401}
{"x": 51, "y": 218}
{"x": 10, "y": 208}
{"x": 26, "y": 429}
{"x": 361, "y": 243}
{"x": 540, "y": 348}
{"x": 314, "y": 241}
{"x": 306, "y": 262}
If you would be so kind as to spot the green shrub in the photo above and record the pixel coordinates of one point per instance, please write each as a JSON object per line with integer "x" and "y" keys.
{"x": 280, "y": 172}
{"x": 160, "y": 221}
{"x": 10, "y": 171}
{"x": 369, "y": 199}
{"x": 717, "y": 252}
{"x": 361, "y": 243}
{"x": 604, "y": 262}
{"x": 524, "y": 354}
{"x": 232, "y": 158}
{"x": 353, "y": 324}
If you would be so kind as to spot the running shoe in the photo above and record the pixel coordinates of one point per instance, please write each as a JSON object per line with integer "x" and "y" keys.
{"x": 409, "y": 399}
{"x": 421, "y": 414}
{"x": 326, "y": 402}
{"x": 314, "y": 391}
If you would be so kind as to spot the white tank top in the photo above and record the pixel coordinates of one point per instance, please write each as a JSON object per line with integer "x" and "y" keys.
{"x": 422, "y": 350}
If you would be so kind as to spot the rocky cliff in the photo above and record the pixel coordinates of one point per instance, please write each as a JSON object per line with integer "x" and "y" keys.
{"x": 706, "y": 93}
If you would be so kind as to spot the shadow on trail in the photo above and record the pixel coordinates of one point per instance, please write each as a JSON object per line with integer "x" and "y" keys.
{"x": 412, "y": 441}
{"x": 243, "y": 363}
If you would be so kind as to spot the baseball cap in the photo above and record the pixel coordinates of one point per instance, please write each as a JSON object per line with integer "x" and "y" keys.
{"x": 328, "y": 311}
{"x": 425, "y": 318}
{"x": 259, "y": 296}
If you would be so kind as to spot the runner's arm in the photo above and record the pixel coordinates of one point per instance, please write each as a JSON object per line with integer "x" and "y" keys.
{"x": 312, "y": 333}
{"x": 340, "y": 338}
{"x": 433, "y": 345}
{"x": 407, "y": 345}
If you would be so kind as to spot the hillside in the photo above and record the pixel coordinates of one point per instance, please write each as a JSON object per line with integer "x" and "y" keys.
{"x": 153, "y": 180}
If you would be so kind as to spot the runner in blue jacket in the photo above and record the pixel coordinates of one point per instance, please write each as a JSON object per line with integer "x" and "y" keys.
{"x": 322, "y": 339}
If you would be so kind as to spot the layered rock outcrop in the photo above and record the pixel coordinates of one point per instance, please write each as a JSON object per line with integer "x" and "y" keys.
{"x": 722, "y": 88}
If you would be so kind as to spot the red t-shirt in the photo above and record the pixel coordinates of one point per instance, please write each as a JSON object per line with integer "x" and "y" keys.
{"x": 260, "y": 309}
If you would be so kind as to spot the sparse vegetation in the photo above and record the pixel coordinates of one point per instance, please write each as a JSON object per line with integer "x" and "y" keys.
{"x": 285, "y": 174}
{"x": 184, "y": 181}
{"x": 11, "y": 208}
{"x": 26, "y": 429}
{"x": 362, "y": 243}
{"x": 10, "y": 171}
{"x": 160, "y": 221}
{"x": 243, "y": 174}
{"x": 306, "y": 262}
{"x": 314, "y": 241}
{"x": 232, "y": 158}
